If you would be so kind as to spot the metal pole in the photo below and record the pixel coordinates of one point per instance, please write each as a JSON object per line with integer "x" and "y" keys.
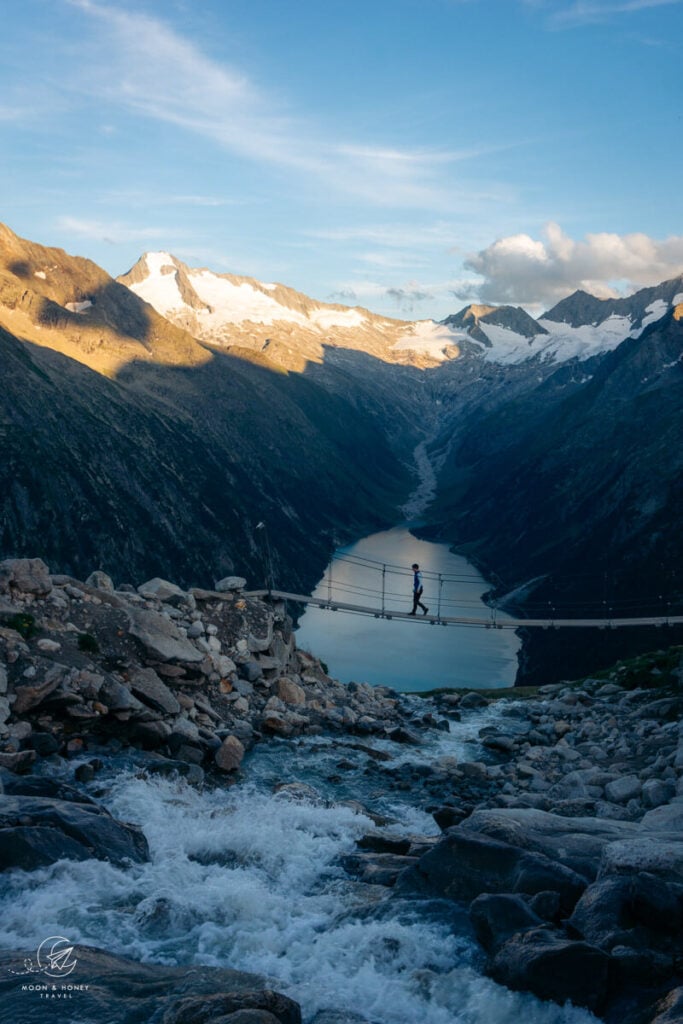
{"x": 384, "y": 574}
{"x": 438, "y": 610}
{"x": 329, "y": 581}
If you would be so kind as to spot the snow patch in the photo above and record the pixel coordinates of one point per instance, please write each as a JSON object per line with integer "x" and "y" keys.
{"x": 506, "y": 345}
{"x": 231, "y": 301}
{"x": 159, "y": 289}
{"x": 567, "y": 342}
{"x": 41, "y": 274}
{"x": 429, "y": 338}
{"x": 325, "y": 318}
{"x": 655, "y": 311}
{"x": 78, "y": 307}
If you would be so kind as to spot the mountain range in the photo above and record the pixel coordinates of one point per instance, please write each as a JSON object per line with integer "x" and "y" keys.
{"x": 149, "y": 423}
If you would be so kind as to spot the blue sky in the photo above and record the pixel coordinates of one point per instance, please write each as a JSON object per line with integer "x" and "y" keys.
{"x": 405, "y": 155}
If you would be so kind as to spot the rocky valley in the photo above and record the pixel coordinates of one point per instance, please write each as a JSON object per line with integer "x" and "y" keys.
{"x": 149, "y": 424}
{"x": 178, "y": 778}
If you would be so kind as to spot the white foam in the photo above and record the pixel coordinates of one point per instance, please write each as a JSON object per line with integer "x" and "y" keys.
{"x": 285, "y": 909}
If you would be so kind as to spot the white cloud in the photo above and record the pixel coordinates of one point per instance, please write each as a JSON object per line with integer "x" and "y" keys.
{"x": 586, "y": 12}
{"x": 113, "y": 232}
{"x": 527, "y": 271}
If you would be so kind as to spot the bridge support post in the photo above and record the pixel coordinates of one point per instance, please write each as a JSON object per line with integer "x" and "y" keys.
{"x": 384, "y": 578}
{"x": 438, "y": 609}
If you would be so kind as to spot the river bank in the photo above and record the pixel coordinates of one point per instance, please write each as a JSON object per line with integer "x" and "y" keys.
{"x": 204, "y": 841}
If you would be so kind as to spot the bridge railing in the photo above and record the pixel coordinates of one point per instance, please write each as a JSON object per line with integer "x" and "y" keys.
{"x": 388, "y": 587}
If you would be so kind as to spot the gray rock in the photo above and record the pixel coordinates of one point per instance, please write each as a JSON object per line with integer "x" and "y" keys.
{"x": 495, "y": 918}
{"x": 29, "y": 697}
{"x": 146, "y": 685}
{"x": 25, "y": 575}
{"x": 3, "y": 679}
{"x": 100, "y": 581}
{"x": 473, "y": 700}
{"x": 119, "y": 990}
{"x": 161, "y": 638}
{"x": 465, "y": 864}
{"x": 160, "y": 590}
{"x": 631, "y": 910}
{"x": 88, "y": 825}
{"x": 656, "y": 792}
{"x": 659, "y": 854}
{"x": 230, "y": 583}
{"x": 289, "y": 691}
{"x": 230, "y": 754}
{"x": 623, "y": 789}
{"x": 551, "y": 966}
{"x": 577, "y": 843}
{"x": 118, "y": 697}
{"x": 669, "y": 1010}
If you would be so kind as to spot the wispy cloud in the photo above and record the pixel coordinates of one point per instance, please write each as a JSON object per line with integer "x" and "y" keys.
{"x": 113, "y": 232}
{"x": 590, "y": 12}
{"x": 521, "y": 269}
{"x": 151, "y": 70}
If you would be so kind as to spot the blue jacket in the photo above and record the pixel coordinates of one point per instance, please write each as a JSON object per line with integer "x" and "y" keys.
{"x": 417, "y": 581}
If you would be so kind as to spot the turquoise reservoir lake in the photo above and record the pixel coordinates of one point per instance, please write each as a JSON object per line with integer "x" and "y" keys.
{"x": 407, "y": 654}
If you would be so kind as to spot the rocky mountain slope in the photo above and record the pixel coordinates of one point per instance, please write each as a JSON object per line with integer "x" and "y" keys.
{"x": 291, "y": 329}
{"x": 577, "y": 481}
{"x": 558, "y": 845}
{"x": 130, "y": 445}
{"x": 182, "y": 407}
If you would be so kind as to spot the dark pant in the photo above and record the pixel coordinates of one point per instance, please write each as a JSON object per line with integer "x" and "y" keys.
{"x": 417, "y": 603}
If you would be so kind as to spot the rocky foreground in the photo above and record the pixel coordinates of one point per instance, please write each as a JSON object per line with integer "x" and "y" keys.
{"x": 564, "y": 841}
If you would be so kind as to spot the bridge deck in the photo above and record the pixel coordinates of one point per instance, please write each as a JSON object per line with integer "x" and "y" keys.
{"x": 492, "y": 622}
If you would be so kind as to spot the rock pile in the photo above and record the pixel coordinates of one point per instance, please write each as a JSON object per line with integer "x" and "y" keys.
{"x": 196, "y": 676}
{"x": 567, "y": 845}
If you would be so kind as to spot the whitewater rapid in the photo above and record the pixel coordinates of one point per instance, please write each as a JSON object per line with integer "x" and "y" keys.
{"x": 249, "y": 878}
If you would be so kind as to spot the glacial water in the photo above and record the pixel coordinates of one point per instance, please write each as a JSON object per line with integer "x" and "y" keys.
{"x": 408, "y": 654}
{"x": 249, "y": 878}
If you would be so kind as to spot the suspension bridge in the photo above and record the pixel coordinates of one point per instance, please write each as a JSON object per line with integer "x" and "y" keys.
{"x": 362, "y": 586}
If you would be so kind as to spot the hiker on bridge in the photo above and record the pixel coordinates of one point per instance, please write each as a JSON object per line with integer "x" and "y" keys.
{"x": 417, "y": 590}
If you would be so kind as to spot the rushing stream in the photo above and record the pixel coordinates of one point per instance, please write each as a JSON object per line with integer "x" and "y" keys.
{"x": 249, "y": 878}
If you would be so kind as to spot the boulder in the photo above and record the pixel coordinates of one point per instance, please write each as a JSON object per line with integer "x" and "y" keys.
{"x": 639, "y": 911}
{"x": 465, "y": 864}
{"x": 576, "y": 842}
{"x": 623, "y": 789}
{"x": 28, "y": 697}
{"x": 545, "y": 962}
{"x": 495, "y": 918}
{"x": 473, "y": 700}
{"x": 100, "y": 581}
{"x": 659, "y": 854}
{"x": 229, "y": 755}
{"x": 160, "y": 638}
{"x": 146, "y": 685}
{"x": 31, "y": 847}
{"x": 230, "y": 583}
{"x": 25, "y": 575}
{"x": 274, "y": 722}
{"x": 42, "y": 820}
{"x": 289, "y": 691}
{"x": 669, "y": 1010}
{"x": 119, "y": 990}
